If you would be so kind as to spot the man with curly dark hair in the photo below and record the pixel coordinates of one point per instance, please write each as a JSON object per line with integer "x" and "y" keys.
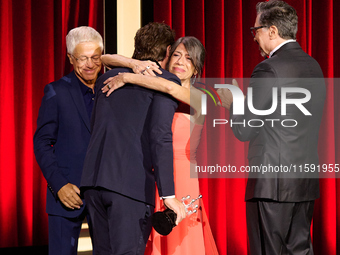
{"x": 131, "y": 149}
{"x": 152, "y": 42}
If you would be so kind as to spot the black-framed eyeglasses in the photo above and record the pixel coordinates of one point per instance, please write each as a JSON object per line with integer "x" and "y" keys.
{"x": 83, "y": 59}
{"x": 254, "y": 29}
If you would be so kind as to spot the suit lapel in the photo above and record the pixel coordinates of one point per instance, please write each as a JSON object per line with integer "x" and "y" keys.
{"x": 78, "y": 98}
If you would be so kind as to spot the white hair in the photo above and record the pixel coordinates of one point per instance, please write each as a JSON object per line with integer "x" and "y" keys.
{"x": 82, "y": 34}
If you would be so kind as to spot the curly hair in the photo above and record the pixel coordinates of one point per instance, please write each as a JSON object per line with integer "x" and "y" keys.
{"x": 152, "y": 40}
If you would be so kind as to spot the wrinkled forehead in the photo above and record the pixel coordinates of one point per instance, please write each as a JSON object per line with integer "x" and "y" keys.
{"x": 87, "y": 48}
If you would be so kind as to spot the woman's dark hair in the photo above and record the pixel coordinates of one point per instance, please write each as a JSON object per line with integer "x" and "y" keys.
{"x": 195, "y": 49}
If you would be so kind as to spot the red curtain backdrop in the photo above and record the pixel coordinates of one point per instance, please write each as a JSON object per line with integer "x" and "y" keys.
{"x": 33, "y": 53}
{"x": 223, "y": 27}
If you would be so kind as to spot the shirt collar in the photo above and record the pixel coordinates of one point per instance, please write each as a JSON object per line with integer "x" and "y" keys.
{"x": 279, "y": 46}
{"x": 83, "y": 88}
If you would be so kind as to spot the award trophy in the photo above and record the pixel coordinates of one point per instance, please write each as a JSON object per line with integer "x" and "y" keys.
{"x": 163, "y": 222}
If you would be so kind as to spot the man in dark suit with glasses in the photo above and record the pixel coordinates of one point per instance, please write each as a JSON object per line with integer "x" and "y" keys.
{"x": 280, "y": 202}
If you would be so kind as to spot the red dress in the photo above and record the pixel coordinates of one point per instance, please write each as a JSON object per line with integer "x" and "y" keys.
{"x": 193, "y": 234}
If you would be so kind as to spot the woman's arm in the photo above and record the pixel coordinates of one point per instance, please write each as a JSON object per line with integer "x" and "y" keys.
{"x": 184, "y": 94}
{"x": 137, "y": 66}
{"x": 150, "y": 82}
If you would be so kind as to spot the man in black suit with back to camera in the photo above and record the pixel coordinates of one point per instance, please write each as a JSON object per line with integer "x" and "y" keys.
{"x": 131, "y": 136}
{"x": 279, "y": 205}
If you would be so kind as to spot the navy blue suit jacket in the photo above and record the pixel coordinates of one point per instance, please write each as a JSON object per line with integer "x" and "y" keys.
{"x": 61, "y": 139}
{"x": 131, "y": 134}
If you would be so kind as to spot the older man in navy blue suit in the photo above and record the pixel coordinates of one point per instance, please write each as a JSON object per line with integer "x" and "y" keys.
{"x": 62, "y": 137}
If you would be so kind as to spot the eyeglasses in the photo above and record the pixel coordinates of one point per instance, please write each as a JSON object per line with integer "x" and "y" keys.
{"x": 83, "y": 59}
{"x": 253, "y": 30}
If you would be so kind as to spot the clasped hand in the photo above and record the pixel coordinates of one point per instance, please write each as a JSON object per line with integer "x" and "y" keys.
{"x": 139, "y": 67}
{"x": 177, "y": 206}
{"x": 69, "y": 195}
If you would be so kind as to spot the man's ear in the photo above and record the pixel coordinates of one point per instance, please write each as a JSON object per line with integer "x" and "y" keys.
{"x": 165, "y": 61}
{"x": 273, "y": 32}
{"x": 168, "y": 51}
{"x": 70, "y": 58}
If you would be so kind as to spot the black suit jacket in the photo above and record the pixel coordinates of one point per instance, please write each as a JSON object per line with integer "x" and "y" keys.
{"x": 273, "y": 144}
{"x": 61, "y": 139}
{"x": 131, "y": 134}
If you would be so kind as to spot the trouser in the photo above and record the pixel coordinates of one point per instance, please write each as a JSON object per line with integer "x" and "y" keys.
{"x": 63, "y": 234}
{"x": 279, "y": 228}
{"x": 121, "y": 225}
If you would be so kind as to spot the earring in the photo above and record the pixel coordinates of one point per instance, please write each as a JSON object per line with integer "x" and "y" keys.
{"x": 193, "y": 80}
